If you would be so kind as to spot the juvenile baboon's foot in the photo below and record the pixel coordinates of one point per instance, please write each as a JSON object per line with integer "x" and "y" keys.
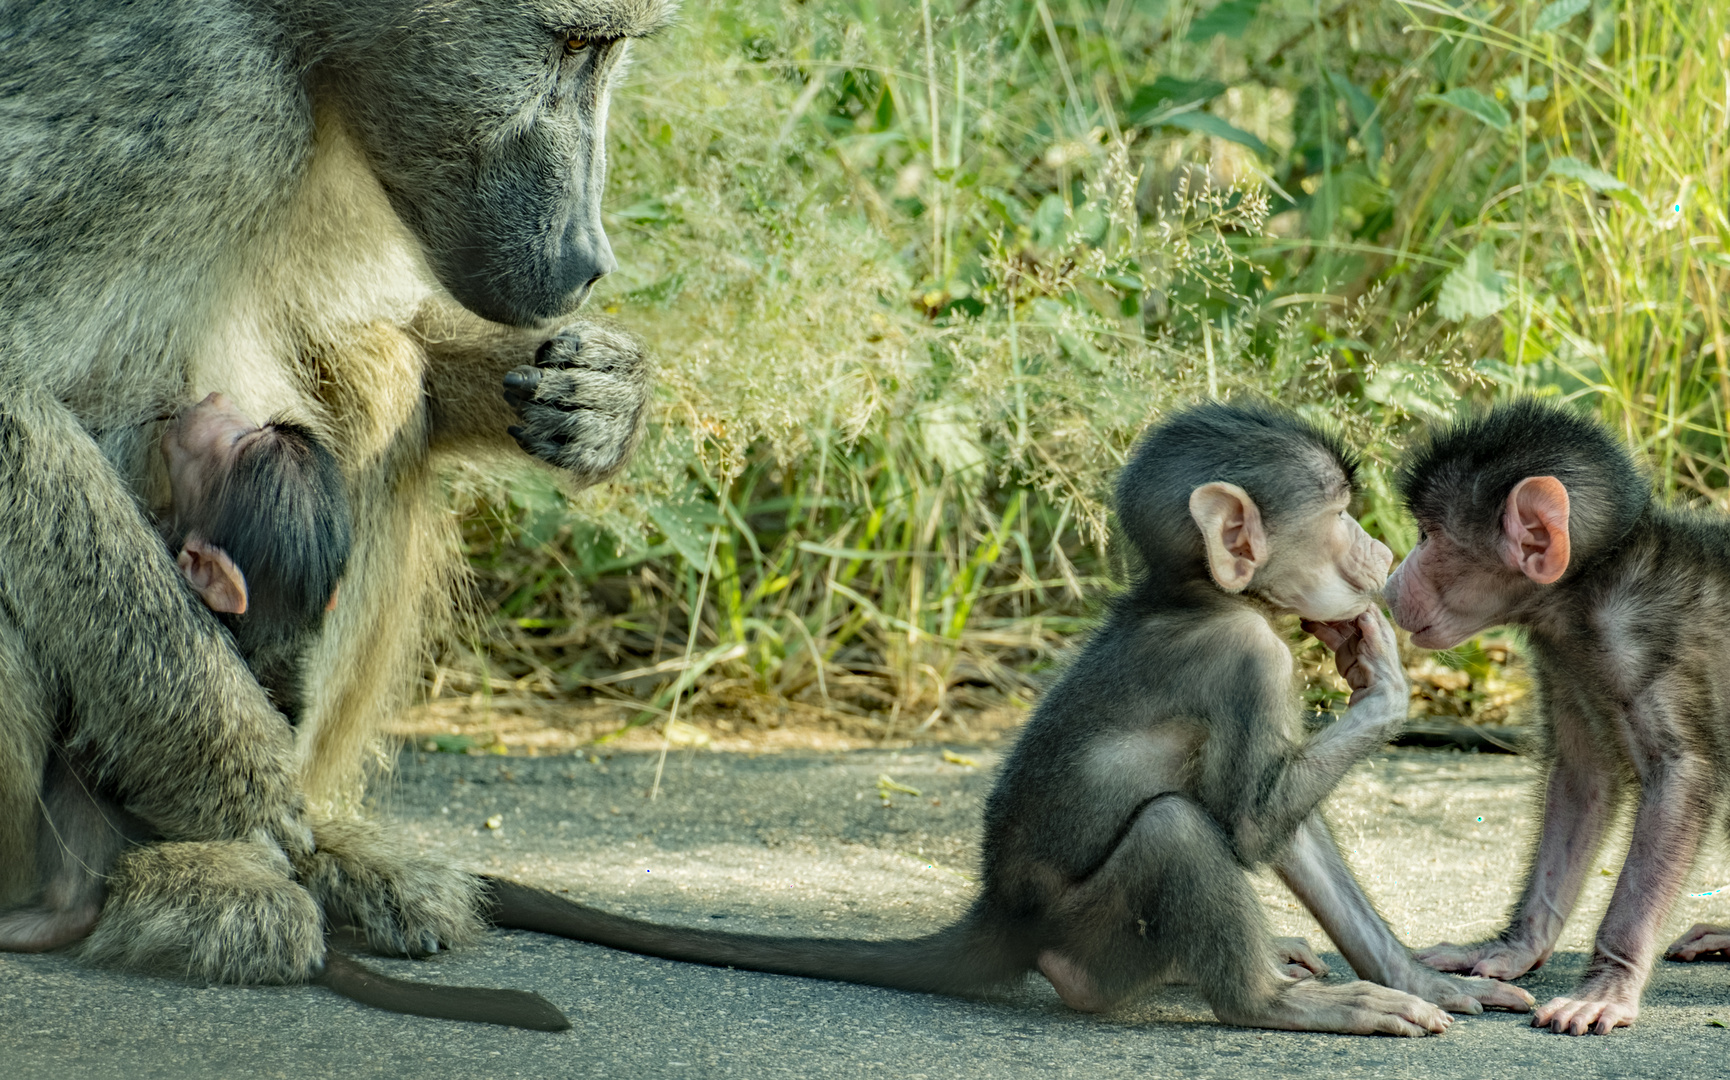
{"x": 1296, "y": 960}
{"x": 1701, "y": 940}
{"x": 1461, "y": 994}
{"x": 1354, "y": 1008}
{"x": 404, "y": 905}
{"x": 221, "y": 910}
{"x": 1593, "y": 1012}
{"x": 1072, "y": 983}
{"x": 1491, "y": 959}
{"x": 582, "y": 400}
{"x": 41, "y": 929}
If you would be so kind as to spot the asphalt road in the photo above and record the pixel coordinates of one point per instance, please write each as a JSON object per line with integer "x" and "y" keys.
{"x": 802, "y": 843}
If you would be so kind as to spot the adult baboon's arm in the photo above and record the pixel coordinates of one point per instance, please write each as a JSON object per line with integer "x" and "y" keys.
{"x": 573, "y": 396}
{"x": 156, "y": 690}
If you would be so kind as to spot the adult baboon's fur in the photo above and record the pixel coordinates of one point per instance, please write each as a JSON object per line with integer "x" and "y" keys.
{"x": 360, "y": 214}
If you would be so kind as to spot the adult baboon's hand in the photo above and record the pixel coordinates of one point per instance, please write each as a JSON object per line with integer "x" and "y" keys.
{"x": 582, "y": 401}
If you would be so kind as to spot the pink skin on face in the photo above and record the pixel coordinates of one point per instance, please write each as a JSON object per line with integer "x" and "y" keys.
{"x": 201, "y": 446}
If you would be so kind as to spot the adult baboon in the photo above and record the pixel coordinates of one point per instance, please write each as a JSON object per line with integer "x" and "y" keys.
{"x": 361, "y": 215}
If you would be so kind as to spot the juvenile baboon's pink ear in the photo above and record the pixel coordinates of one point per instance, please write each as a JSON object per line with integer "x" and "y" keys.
{"x": 212, "y": 575}
{"x": 1535, "y": 529}
{"x": 1231, "y": 528}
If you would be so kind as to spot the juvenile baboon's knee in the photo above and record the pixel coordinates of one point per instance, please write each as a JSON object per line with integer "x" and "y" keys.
{"x": 365, "y": 875}
{"x": 222, "y": 911}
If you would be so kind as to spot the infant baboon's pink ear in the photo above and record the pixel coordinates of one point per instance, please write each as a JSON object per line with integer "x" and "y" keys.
{"x": 212, "y": 575}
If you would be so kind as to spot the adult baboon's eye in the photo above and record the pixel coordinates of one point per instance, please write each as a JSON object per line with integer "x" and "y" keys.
{"x": 575, "y": 44}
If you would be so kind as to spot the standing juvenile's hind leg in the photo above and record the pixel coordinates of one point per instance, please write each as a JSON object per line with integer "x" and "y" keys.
{"x": 1173, "y": 897}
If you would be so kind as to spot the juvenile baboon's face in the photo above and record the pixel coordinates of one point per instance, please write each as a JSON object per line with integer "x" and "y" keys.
{"x": 486, "y": 123}
{"x": 1325, "y": 566}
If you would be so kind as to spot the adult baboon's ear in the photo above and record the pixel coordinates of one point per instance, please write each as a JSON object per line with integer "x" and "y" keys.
{"x": 1535, "y": 529}
{"x": 213, "y": 576}
{"x": 1231, "y": 528}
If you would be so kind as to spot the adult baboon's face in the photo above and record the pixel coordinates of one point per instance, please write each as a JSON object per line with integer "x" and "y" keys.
{"x": 486, "y": 123}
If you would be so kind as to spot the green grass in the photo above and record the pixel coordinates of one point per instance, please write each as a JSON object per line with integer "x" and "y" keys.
{"x": 919, "y": 273}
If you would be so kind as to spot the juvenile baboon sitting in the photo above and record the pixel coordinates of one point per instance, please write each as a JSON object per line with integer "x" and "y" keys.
{"x": 1162, "y": 766}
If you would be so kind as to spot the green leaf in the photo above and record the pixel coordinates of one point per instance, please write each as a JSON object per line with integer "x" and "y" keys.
{"x": 1556, "y": 15}
{"x": 1209, "y": 124}
{"x": 1363, "y": 110}
{"x": 1475, "y": 289}
{"x": 1574, "y": 169}
{"x": 1050, "y": 222}
{"x": 1166, "y": 92}
{"x": 1519, "y": 91}
{"x": 683, "y": 526}
{"x": 1473, "y": 102}
{"x": 1230, "y": 18}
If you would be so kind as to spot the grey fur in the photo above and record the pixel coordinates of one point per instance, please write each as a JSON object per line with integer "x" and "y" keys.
{"x": 1630, "y": 651}
{"x": 278, "y": 198}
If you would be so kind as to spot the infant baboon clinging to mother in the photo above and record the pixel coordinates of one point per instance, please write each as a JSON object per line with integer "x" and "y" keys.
{"x": 261, "y": 529}
{"x": 1162, "y": 767}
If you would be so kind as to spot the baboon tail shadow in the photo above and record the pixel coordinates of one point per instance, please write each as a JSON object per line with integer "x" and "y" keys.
{"x": 513, "y": 1008}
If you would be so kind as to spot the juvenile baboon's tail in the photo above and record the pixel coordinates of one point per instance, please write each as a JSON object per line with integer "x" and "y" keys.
{"x": 962, "y": 960}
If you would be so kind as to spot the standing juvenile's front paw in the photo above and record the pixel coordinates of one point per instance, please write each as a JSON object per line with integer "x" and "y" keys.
{"x": 582, "y": 401}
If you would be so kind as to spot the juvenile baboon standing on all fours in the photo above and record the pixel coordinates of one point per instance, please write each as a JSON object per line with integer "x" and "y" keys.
{"x": 1535, "y": 517}
{"x": 368, "y": 216}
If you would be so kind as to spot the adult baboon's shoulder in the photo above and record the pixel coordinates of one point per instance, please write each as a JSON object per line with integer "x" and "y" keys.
{"x": 363, "y": 216}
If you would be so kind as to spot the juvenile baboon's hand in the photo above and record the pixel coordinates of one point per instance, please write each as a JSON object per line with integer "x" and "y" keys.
{"x": 1296, "y": 958}
{"x": 582, "y": 401}
{"x": 1492, "y": 959}
{"x": 1366, "y": 653}
{"x": 1467, "y": 994}
{"x": 1589, "y": 1014}
{"x": 1702, "y": 939}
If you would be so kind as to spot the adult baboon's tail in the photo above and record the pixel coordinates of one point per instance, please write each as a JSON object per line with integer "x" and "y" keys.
{"x": 482, "y": 1005}
{"x": 962, "y": 960}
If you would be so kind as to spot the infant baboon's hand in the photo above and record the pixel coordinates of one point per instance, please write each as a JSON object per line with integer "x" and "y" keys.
{"x": 1366, "y": 653}
{"x": 582, "y": 401}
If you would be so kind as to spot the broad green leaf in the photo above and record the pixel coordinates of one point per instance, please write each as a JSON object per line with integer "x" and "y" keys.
{"x": 1556, "y": 15}
{"x": 1230, "y": 18}
{"x": 1209, "y": 124}
{"x": 1166, "y": 92}
{"x": 1474, "y": 289}
{"x": 1602, "y": 35}
{"x": 1519, "y": 91}
{"x": 1050, "y": 222}
{"x": 1473, "y": 102}
{"x": 1574, "y": 169}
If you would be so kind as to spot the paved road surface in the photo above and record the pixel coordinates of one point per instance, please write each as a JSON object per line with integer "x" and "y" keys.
{"x": 802, "y": 843}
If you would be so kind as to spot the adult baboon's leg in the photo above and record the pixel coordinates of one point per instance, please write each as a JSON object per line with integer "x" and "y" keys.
{"x": 219, "y": 910}
{"x": 158, "y": 706}
{"x": 365, "y": 876}
{"x": 26, "y": 720}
